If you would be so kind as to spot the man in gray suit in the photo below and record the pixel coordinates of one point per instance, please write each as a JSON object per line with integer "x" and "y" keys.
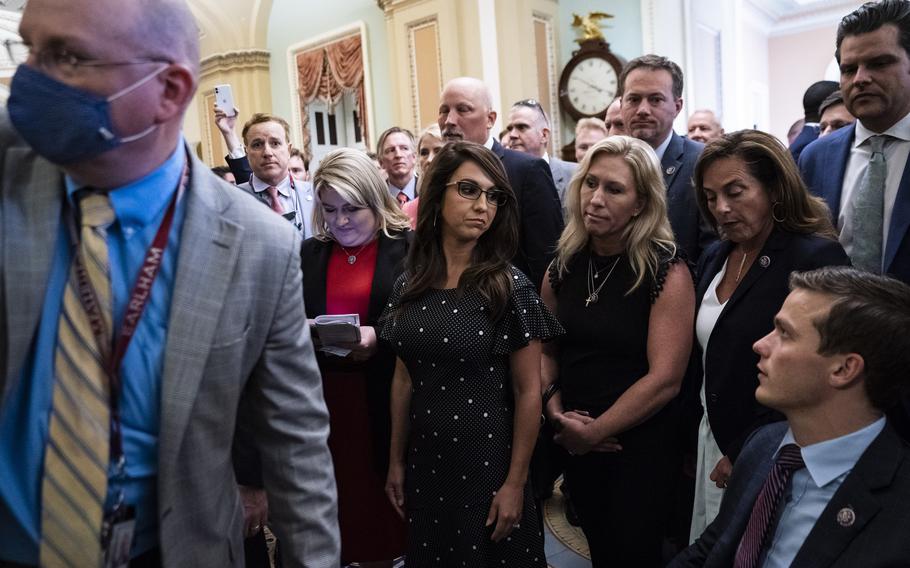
{"x": 141, "y": 299}
{"x": 529, "y": 132}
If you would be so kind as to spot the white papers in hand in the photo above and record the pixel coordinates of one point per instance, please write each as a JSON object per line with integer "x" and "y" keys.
{"x": 334, "y": 330}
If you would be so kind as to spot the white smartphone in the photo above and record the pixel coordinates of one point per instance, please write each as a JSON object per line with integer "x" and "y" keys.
{"x": 224, "y": 98}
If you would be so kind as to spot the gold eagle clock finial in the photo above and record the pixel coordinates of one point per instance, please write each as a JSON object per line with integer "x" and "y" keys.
{"x": 589, "y": 25}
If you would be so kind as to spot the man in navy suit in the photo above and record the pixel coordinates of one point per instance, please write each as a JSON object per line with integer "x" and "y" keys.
{"x": 466, "y": 113}
{"x": 874, "y": 56}
{"x": 652, "y": 88}
{"x": 837, "y": 357}
{"x": 812, "y": 100}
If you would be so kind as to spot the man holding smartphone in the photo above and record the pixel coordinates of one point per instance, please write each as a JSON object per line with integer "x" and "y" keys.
{"x": 268, "y": 156}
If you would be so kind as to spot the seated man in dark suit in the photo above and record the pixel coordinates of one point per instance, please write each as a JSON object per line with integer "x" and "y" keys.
{"x": 830, "y": 486}
{"x": 466, "y": 113}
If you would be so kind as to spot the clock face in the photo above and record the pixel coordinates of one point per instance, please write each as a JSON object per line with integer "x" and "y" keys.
{"x": 592, "y": 86}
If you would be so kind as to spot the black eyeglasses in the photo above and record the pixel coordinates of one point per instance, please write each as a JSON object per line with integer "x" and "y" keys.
{"x": 470, "y": 190}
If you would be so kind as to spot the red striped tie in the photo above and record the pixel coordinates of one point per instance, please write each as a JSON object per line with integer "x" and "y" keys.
{"x": 788, "y": 460}
{"x": 402, "y": 198}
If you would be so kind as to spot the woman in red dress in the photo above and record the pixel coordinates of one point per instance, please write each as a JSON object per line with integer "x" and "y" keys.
{"x": 349, "y": 266}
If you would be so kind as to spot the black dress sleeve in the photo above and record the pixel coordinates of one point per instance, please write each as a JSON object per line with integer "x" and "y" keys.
{"x": 526, "y": 318}
{"x": 387, "y": 319}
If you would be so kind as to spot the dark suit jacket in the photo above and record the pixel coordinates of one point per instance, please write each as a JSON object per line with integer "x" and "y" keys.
{"x": 878, "y": 490}
{"x": 731, "y": 377}
{"x": 539, "y": 210}
{"x": 807, "y": 135}
{"x": 823, "y": 164}
{"x": 240, "y": 167}
{"x": 693, "y": 234}
{"x": 390, "y": 260}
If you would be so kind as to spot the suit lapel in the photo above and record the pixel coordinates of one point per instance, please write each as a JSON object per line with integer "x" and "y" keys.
{"x": 209, "y": 244}
{"x": 900, "y": 219}
{"x": 835, "y": 166}
{"x": 314, "y": 275}
{"x": 710, "y": 269}
{"x": 30, "y": 224}
{"x": 874, "y": 470}
{"x": 765, "y": 261}
{"x": 388, "y": 266}
{"x": 498, "y": 149}
{"x": 672, "y": 160}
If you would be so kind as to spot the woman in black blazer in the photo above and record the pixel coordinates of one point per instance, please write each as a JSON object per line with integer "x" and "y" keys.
{"x": 360, "y": 242}
{"x": 749, "y": 189}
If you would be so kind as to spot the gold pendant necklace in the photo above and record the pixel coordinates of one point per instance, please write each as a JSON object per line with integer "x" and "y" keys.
{"x": 352, "y": 258}
{"x": 742, "y": 264}
{"x": 594, "y": 294}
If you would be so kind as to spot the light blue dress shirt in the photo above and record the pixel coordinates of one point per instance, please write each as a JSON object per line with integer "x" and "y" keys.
{"x": 140, "y": 208}
{"x": 827, "y": 465}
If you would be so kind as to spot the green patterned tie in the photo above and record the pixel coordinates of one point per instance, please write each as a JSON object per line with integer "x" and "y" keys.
{"x": 869, "y": 210}
{"x": 76, "y": 458}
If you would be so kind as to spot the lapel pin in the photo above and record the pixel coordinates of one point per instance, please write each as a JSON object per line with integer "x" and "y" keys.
{"x": 846, "y": 517}
{"x": 670, "y": 170}
{"x": 764, "y": 261}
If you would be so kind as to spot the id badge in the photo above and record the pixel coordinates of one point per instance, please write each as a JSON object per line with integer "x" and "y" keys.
{"x": 117, "y": 538}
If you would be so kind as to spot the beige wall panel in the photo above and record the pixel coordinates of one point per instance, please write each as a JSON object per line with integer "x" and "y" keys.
{"x": 248, "y": 75}
{"x": 525, "y": 51}
{"x": 402, "y": 19}
{"x": 426, "y": 72}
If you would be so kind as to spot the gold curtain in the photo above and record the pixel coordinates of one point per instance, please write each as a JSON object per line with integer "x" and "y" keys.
{"x": 326, "y": 74}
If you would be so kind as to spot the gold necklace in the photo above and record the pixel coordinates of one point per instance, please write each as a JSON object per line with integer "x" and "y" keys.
{"x": 742, "y": 264}
{"x": 352, "y": 258}
{"x": 593, "y": 294}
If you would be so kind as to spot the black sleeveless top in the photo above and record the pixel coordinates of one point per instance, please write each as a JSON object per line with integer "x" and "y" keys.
{"x": 605, "y": 348}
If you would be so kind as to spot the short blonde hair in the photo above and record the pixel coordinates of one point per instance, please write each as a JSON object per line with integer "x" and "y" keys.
{"x": 592, "y": 123}
{"x": 354, "y": 176}
{"x": 648, "y": 237}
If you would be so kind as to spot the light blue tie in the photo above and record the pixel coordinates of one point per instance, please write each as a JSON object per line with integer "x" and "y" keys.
{"x": 869, "y": 210}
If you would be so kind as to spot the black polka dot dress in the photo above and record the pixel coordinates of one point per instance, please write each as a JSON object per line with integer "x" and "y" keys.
{"x": 460, "y": 439}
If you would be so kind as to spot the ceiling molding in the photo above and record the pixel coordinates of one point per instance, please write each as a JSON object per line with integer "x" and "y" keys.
{"x": 783, "y": 17}
{"x": 245, "y": 59}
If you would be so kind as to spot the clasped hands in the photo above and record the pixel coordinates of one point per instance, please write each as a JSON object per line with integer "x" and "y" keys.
{"x": 576, "y": 432}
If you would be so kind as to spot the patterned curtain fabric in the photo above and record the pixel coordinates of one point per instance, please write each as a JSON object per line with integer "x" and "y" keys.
{"x": 327, "y": 74}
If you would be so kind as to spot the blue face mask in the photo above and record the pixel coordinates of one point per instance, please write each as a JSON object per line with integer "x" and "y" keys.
{"x": 62, "y": 123}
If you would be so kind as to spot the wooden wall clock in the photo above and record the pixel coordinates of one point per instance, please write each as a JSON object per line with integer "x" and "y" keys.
{"x": 590, "y": 80}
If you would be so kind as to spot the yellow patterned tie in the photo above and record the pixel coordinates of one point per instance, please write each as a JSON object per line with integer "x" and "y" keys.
{"x": 76, "y": 458}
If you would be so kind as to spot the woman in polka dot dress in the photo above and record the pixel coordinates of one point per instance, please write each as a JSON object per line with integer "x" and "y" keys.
{"x": 467, "y": 327}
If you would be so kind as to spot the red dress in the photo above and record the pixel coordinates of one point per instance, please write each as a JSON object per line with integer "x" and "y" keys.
{"x": 371, "y": 530}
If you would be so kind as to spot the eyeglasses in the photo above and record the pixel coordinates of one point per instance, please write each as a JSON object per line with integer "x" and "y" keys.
{"x": 470, "y": 190}
{"x": 62, "y": 62}
{"x": 533, "y": 104}
{"x": 530, "y": 103}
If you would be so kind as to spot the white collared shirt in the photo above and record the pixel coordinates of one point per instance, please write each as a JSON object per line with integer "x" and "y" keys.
{"x": 897, "y": 149}
{"x": 662, "y": 149}
{"x": 546, "y": 157}
{"x": 489, "y": 142}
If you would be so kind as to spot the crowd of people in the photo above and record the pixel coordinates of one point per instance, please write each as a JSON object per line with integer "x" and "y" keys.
{"x": 388, "y": 359}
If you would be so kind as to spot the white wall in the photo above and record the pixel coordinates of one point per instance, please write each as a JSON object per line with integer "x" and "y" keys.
{"x": 815, "y": 49}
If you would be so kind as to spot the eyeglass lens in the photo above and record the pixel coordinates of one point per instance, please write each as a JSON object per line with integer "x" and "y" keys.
{"x": 470, "y": 190}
